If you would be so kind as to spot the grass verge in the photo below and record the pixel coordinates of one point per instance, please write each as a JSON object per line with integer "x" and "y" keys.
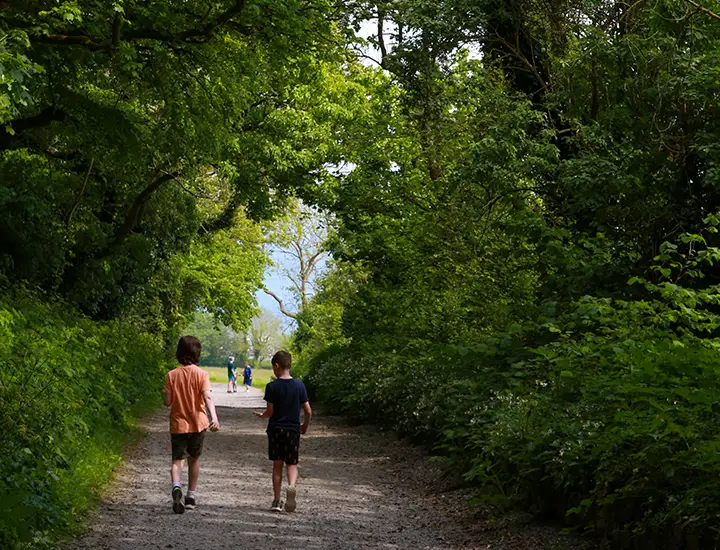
{"x": 261, "y": 377}
{"x": 82, "y": 487}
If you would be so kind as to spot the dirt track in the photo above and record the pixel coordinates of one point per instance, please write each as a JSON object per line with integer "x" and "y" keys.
{"x": 357, "y": 489}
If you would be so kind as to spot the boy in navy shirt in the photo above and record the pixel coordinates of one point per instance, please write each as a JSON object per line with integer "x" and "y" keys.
{"x": 285, "y": 396}
{"x": 247, "y": 376}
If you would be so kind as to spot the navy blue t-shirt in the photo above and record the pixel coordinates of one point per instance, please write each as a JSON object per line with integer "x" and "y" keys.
{"x": 287, "y": 396}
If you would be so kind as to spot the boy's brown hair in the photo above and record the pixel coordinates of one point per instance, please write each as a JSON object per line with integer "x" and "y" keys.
{"x": 283, "y": 359}
{"x": 188, "y": 350}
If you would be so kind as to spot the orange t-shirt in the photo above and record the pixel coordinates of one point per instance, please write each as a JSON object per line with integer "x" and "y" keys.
{"x": 187, "y": 383}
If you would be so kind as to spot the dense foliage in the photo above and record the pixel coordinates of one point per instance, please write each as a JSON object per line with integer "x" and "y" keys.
{"x": 140, "y": 145}
{"x": 522, "y": 200}
{"x": 69, "y": 389}
{"x": 123, "y": 119}
{"x": 494, "y": 211}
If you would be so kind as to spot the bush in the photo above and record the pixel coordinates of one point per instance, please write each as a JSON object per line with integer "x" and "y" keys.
{"x": 606, "y": 416}
{"x": 68, "y": 390}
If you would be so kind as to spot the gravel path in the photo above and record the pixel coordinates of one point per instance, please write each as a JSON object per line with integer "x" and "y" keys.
{"x": 358, "y": 489}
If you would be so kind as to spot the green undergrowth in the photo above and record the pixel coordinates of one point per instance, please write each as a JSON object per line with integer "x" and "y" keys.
{"x": 70, "y": 392}
{"x": 96, "y": 462}
{"x": 604, "y": 413}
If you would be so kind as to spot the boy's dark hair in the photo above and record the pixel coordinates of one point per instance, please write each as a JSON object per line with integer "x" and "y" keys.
{"x": 188, "y": 350}
{"x": 283, "y": 359}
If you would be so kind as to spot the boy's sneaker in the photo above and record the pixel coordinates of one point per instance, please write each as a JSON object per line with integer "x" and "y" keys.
{"x": 178, "y": 506}
{"x": 277, "y": 506}
{"x": 290, "y": 503}
{"x": 190, "y": 503}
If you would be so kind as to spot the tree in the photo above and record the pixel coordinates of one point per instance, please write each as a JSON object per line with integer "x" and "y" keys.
{"x": 300, "y": 236}
{"x": 119, "y": 119}
{"x": 498, "y": 207}
{"x": 265, "y": 335}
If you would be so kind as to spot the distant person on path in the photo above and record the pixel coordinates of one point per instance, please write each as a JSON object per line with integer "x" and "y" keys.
{"x": 188, "y": 394}
{"x": 232, "y": 375}
{"x": 285, "y": 396}
{"x": 247, "y": 376}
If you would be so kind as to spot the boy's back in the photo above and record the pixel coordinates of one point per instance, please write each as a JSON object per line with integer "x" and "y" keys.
{"x": 287, "y": 396}
{"x": 187, "y": 383}
{"x": 284, "y": 398}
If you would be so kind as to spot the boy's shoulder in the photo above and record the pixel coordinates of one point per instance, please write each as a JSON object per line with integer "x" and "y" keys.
{"x": 294, "y": 382}
{"x": 183, "y": 370}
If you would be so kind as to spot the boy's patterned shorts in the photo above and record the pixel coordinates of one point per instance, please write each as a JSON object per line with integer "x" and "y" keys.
{"x": 283, "y": 444}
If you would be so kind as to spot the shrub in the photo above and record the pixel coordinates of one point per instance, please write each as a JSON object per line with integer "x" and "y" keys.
{"x": 68, "y": 390}
{"x": 606, "y": 416}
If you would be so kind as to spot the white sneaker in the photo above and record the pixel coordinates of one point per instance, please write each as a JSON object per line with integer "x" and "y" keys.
{"x": 290, "y": 503}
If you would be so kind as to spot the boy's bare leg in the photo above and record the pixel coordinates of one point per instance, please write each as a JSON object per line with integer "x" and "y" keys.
{"x": 277, "y": 478}
{"x": 176, "y": 471}
{"x": 193, "y": 473}
{"x": 176, "y": 476}
{"x": 292, "y": 474}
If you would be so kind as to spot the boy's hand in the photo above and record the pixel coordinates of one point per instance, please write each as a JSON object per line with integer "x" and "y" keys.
{"x": 215, "y": 425}
{"x": 258, "y": 414}
{"x": 303, "y": 429}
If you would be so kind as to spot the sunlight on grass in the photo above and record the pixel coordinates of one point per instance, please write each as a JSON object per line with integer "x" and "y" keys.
{"x": 261, "y": 377}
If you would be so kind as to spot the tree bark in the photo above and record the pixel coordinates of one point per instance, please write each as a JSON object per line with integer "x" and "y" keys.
{"x": 280, "y": 303}
{"x": 134, "y": 214}
{"x": 21, "y": 125}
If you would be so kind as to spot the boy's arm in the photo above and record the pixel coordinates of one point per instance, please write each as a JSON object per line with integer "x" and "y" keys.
{"x": 308, "y": 416}
{"x": 210, "y": 406}
{"x": 167, "y": 392}
{"x": 267, "y": 413}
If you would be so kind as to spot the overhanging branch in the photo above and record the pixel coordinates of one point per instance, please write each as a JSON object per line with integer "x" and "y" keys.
{"x": 192, "y": 35}
{"x": 280, "y": 303}
{"x": 704, "y": 9}
{"x": 20, "y": 125}
{"x": 132, "y": 218}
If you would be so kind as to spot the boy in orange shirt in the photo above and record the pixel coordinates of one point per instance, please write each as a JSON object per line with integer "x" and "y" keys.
{"x": 188, "y": 394}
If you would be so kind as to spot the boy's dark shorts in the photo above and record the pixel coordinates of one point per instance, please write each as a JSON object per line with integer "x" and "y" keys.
{"x": 184, "y": 445}
{"x": 283, "y": 444}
